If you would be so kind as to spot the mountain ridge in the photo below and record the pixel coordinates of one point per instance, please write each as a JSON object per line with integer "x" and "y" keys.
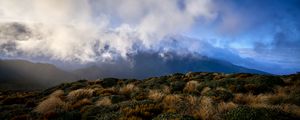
{"x": 22, "y": 74}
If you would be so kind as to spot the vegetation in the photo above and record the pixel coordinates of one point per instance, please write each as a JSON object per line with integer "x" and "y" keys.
{"x": 191, "y": 96}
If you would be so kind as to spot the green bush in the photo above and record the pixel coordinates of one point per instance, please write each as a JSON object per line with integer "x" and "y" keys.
{"x": 65, "y": 115}
{"x": 219, "y": 95}
{"x": 258, "y": 88}
{"x": 265, "y": 80}
{"x": 100, "y": 113}
{"x": 155, "y": 83}
{"x": 248, "y": 113}
{"x": 117, "y": 98}
{"x": 173, "y": 116}
{"x": 177, "y": 86}
{"x": 9, "y": 111}
{"x": 109, "y": 82}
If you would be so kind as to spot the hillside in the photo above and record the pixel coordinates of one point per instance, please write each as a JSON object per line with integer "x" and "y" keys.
{"x": 22, "y": 74}
{"x": 195, "y": 95}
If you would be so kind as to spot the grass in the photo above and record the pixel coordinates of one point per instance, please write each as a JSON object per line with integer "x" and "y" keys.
{"x": 207, "y": 96}
{"x": 52, "y": 103}
{"x": 79, "y": 94}
{"x": 128, "y": 89}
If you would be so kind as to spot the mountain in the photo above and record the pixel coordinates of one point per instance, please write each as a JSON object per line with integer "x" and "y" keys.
{"x": 22, "y": 74}
{"x": 147, "y": 64}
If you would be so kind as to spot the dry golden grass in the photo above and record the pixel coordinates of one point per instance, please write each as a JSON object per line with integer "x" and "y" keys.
{"x": 170, "y": 102}
{"x": 51, "y": 104}
{"x": 221, "y": 88}
{"x": 291, "y": 109}
{"x": 206, "y": 89}
{"x": 192, "y": 100}
{"x": 224, "y": 107}
{"x": 191, "y": 86}
{"x": 57, "y": 93}
{"x": 81, "y": 103}
{"x": 166, "y": 90}
{"x": 250, "y": 98}
{"x": 109, "y": 91}
{"x": 207, "y": 110}
{"x": 127, "y": 89}
{"x": 294, "y": 109}
{"x": 193, "y": 106}
{"x": 79, "y": 94}
{"x": 104, "y": 102}
{"x": 155, "y": 95}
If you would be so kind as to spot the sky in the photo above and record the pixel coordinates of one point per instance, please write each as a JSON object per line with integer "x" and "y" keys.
{"x": 259, "y": 34}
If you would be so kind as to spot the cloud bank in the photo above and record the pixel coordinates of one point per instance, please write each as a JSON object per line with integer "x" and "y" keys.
{"x": 256, "y": 34}
{"x": 94, "y": 30}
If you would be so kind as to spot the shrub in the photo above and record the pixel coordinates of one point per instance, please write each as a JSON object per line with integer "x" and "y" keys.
{"x": 100, "y": 113}
{"x": 117, "y": 98}
{"x": 109, "y": 82}
{"x": 14, "y": 100}
{"x": 257, "y": 89}
{"x": 177, "y": 86}
{"x": 219, "y": 95}
{"x": 10, "y": 111}
{"x": 265, "y": 80}
{"x": 155, "y": 83}
{"x": 62, "y": 115}
{"x": 248, "y": 113}
{"x": 173, "y": 116}
{"x": 22, "y": 117}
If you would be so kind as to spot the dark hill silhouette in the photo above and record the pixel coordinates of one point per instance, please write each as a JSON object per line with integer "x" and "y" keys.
{"x": 22, "y": 74}
{"x": 145, "y": 64}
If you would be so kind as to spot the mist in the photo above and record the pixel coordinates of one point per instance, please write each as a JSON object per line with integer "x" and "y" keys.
{"x": 74, "y": 33}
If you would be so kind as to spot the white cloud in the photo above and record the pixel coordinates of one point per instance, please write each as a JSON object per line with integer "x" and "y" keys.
{"x": 95, "y": 30}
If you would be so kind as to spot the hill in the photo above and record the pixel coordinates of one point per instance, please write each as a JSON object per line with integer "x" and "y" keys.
{"x": 195, "y": 95}
{"x": 22, "y": 74}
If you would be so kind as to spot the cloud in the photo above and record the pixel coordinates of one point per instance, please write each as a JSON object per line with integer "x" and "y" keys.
{"x": 94, "y": 30}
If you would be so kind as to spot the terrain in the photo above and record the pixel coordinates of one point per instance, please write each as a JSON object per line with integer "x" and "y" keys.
{"x": 27, "y": 75}
{"x": 194, "y": 95}
{"x": 24, "y": 75}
